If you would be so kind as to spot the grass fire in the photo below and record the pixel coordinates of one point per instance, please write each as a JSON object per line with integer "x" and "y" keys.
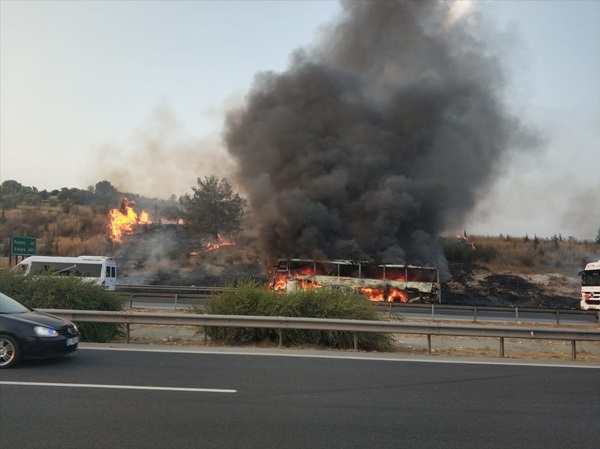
{"x": 124, "y": 220}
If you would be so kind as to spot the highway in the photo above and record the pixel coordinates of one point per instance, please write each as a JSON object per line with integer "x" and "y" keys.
{"x": 441, "y": 312}
{"x": 109, "y": 396}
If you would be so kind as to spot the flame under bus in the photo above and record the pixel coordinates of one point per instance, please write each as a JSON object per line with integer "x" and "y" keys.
{"x": 380, "y": 283}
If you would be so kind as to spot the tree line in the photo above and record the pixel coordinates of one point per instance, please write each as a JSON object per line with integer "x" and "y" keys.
{"x": 212, "y": 210}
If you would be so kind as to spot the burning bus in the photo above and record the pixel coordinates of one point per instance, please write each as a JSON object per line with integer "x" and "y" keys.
{"x": 379, "y": 283}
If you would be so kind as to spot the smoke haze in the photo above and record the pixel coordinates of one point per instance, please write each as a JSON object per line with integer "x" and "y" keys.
{"x": 378, "y": 139}
{"x": 158, "y": 159}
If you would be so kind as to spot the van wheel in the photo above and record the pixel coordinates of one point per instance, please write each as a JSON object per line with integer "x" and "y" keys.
{"x": 10, "y": 353}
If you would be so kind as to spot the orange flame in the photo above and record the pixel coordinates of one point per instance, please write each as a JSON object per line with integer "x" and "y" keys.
{"x": 384, "y": 295}
{"x": 374, "y": 294}
{"x": 396, "y": 295}
{"x": 124, "y": 220}
{"x": 212, "y": 246}
{"x": 280, "y": 281}
{"x": 465, "y": 241}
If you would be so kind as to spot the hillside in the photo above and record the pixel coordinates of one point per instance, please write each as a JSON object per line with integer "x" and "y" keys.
{"x": 521, "y": 272}
{"x": 468, "y": 284}
{"x": 483, "y": 270}
{"x": 475, "y": 285}
{"x": 550, "y": 281}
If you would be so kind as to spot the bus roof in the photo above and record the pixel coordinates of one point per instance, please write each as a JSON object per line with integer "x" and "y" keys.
{"x": 354, "y": 262}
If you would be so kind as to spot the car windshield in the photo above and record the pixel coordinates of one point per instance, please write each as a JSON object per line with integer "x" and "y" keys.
{"x": 9, "y": 305}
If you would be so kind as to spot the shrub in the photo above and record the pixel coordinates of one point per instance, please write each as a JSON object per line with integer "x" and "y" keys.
{"x": 57, "y": 292}
{"x": 458, "y": 252}
{"x": 540, "y": 255}
{"x": 465, "y": 252}
{"x": 252, "y": 299}
{"x": 485, "y": 254}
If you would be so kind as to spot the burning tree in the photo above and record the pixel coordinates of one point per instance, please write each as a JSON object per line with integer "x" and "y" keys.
{"x": 214, "y": 209}
{"x": 124, "y": 219}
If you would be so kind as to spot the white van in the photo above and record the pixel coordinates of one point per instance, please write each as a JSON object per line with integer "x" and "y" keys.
{"x": 99, "y": 269}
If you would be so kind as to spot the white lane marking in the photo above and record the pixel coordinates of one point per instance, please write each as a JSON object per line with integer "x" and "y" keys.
{"x": 118, "y": 387}
{"x": 380, "y": 358}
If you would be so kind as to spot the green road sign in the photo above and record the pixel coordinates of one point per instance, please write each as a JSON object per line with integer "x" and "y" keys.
{"x": 22, "y": 246}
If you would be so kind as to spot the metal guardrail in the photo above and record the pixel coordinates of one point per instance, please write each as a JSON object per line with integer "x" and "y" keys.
{"x": 168, "y": 289}
{"x": 516, "y": 311}
{"x": 355, "y": 326}
{"x": 201, "y": 294}
{"x": 196, "y": 294}
{"x": 170, "y": 292}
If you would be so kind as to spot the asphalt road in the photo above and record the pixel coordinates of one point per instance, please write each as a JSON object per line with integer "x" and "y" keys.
{"x": 117, "y": 398}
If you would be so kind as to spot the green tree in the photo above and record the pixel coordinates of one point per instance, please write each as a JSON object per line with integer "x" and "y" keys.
{"x": 9, "y": 194}
{"x": 105, "y": 189}
{"x": 214, "y": 209}
{"x": 30, "y": 196}
{"x": 11, "y": 186}
{"x": 105, "y": 197}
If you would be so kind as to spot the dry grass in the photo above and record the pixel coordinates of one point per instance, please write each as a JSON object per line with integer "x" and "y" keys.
{"x": 95, "y": 245}
{"x": 81, "y": 231}
{"x": 527, "y": 255}
{"x": 76, "y": 232}
{"x": 475, "y": 347}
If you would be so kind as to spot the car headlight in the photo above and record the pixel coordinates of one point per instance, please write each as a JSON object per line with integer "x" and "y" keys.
{"x": 42, "y": 331}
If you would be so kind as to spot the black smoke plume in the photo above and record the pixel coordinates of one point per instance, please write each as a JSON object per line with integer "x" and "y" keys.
{"x": 376, "y": 140}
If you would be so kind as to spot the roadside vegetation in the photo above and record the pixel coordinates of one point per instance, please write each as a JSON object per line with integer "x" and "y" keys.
{"x": 252, "y": 299}
{"x": 72, "y": 222}
{"x": 71, "y": 293}
{"x": 525, "y": 255}
{"x": 69, "y": 221}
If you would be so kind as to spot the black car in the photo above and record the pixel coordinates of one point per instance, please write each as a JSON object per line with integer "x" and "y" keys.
{"x": 25, "y": 333}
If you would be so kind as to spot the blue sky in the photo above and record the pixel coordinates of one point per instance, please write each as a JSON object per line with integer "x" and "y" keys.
{"x": 135, "y": 93}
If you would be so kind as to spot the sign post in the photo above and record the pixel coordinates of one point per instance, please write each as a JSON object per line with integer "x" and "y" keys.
{"x": 22, "y": 246}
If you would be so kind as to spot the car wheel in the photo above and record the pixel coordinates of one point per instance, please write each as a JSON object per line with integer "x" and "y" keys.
{"x": 10, "y": 353}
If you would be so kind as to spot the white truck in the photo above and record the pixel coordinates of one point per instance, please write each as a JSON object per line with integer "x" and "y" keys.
{"x": 590, "y": 286}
